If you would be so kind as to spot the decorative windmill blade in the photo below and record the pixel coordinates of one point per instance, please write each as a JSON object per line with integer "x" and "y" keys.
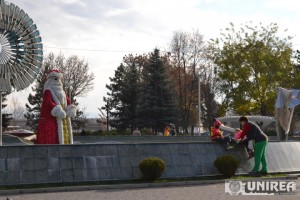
{"x": 21, "y": 50}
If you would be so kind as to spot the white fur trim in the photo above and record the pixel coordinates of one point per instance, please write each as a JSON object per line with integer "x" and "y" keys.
{"x": 55, "y": 98}
{"x": 71, "y": 110}
{"x": 54, "y": 74}
{"x": 59, "y": 120}
{"x": 58, "y": 112}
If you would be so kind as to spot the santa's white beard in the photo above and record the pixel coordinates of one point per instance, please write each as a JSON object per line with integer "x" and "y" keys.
{"x": 57, "y": 88}
{"x": 60, "y": 94}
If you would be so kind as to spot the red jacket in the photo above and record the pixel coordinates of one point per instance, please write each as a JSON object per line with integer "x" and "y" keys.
{"x": 215, "y": 133}
{"x": 253, "y": 132}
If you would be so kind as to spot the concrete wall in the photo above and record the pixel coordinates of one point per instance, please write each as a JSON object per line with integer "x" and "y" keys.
{"x": 94, "y": 162}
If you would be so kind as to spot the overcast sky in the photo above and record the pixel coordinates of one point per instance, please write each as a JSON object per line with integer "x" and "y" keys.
{"x": 103, "y": 31}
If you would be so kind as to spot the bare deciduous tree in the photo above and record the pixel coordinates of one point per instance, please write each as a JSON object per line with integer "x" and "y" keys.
{"x": 80, "y": 121}
{"x": 187, "y": 55}
{"x": 77, "y": 79}
{"x": 16, "y": 109}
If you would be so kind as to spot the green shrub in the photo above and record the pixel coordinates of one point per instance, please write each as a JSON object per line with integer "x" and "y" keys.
{"x": 227, "y": 165}
{"x": 152, "y": 168}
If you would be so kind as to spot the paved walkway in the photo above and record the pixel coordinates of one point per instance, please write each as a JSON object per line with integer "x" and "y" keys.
{"x": 180, "y": 192}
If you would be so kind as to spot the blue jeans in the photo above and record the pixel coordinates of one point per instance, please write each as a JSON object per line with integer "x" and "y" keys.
{"x": 223, "y": 140}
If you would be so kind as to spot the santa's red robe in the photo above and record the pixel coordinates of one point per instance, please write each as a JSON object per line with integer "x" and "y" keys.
{"x": 48, "y": 128}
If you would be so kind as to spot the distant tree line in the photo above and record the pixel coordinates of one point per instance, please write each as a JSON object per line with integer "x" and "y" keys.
{"x": 141, "y": 94}
{"x": 238, "y": 74}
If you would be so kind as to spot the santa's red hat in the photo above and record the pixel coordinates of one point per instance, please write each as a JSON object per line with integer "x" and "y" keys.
{"x": 54, "y": 73}
{"x": 217, "y": 123}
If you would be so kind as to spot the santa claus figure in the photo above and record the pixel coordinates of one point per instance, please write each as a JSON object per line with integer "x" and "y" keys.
{"x": 54, "y": 125}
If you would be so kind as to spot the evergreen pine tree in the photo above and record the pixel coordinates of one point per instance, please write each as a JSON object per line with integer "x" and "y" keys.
{"x": 114, "y": 97}
{"x": 129, "y": 98}
{"x": 123, "y": 96}
{"x": 35, "y": 100}
{"x": 105, "y": 113}
{"x": 157, "y": 103}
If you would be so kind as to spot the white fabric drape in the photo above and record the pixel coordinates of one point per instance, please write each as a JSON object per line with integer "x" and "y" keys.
{"x": 286, "y": 101}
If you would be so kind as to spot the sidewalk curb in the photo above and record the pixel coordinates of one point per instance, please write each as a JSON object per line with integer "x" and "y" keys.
{"x": 131, "y": 186}
{"x": 105, "y": 187}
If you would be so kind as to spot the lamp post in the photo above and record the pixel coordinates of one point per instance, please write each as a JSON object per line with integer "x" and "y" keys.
{"x": 298, "y": 59}
{"x": 107, "y": 116}
{"x": 0, "y": 118}
{"x": 199, "y": 104}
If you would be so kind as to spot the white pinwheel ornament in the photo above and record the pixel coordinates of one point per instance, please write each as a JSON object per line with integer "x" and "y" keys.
{"x": 21, "y": 51}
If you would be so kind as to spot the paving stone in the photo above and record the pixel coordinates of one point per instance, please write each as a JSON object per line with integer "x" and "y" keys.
{"x": 92, "y": 174}
{"x": 27, "y": 152}
{"x": 3, "y": 179}
{"x": 53, "y": 151}
{"x": 40, "y": 151}
{"x": 127, "y": 149}
{"x": 41, "y": 176}
{"x": 2, "y": 165}
{"x": 13, "y": 152}
{"x": 67, "y": 175}
{"x": 104, "y": 174}
{"x": 14, "y": 164}
{"x": 40, "y": 163}
{"x": 80, "y": 174}
{"x": 27, "y": 176}
{"x": 65, "y": 150}
{"x": 3, "y": 152}
{"x": 105, "y": 150}
{"x": 66, "y": 163}
{"x": 13, "y": 177}
{"x": 54, "y": 176}
{"x": 53, "y": 163}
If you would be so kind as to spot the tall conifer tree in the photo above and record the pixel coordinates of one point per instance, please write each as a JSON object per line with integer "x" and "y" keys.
{"x": 157, "y": 102}
{"x": 35, "y": 100}
{"x": 123, "y": 96}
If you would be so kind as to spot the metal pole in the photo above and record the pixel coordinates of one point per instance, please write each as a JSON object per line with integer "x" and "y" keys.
{"x": 107, "y": 116}
{"x": 70, "y": 92}
{"x": 0, "y": 118}
{"x": 199, "y": 104}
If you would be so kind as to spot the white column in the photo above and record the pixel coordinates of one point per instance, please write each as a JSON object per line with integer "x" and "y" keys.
{"x": 199, "y": 104}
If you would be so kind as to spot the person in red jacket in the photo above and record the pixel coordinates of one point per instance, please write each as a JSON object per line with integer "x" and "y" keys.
{"x": 253, "y": 132}
{"x": 217, "y": 135}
